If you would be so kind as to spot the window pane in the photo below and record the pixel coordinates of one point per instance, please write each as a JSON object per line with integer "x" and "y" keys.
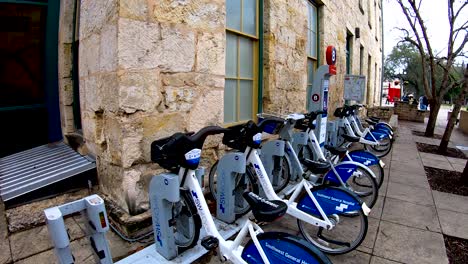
{"x": 233, "y": 14}
{"x": 310, "y": 71}
{"x": 231, "y": 55}
{"x": 313, "y": 44}
{"x": 313, "y": 18}
{"x": 249, "y": 17}
{"x": 245, "y": 100}
{"x": 246, "y": 57}
{"x": 230, "y": 98}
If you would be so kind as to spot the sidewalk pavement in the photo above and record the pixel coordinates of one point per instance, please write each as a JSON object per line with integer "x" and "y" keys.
{"x": 405, "y": 226}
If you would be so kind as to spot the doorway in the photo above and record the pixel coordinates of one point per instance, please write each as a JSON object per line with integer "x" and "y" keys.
{"x": 29, "y": 110}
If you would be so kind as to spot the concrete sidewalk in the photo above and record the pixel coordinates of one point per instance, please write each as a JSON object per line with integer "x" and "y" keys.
{"x": 405, "y": 226}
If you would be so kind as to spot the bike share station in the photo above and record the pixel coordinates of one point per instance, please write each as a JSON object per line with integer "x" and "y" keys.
{"x": 164, "y": 191}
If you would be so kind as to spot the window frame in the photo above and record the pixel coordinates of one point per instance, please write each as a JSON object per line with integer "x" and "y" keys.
{"x": 314, "y": 60}
{"x": 256, "y": 73}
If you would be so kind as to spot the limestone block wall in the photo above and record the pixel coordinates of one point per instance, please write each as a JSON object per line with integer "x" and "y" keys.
{"x": 65, "y": 66}
{"x": 285, "y": 57}
{"x": 381, "y": 112}
{"x": 410, "y": 112}
{"x": 147, "y": 69}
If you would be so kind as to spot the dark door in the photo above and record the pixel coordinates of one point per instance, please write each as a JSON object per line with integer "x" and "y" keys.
{"x": 28, "y": 75}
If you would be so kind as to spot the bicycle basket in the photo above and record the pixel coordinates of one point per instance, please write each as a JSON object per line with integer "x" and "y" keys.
{"x": 241, "y": 136}
{"x": 169, "y": 152}
{"x": 271, "y": 128}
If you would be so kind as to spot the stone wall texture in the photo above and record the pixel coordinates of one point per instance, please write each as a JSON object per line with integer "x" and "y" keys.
{"x": 149, "y": 68}
{"x": 410, "y": 112}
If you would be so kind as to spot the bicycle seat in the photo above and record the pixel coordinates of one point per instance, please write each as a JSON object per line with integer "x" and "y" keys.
{"x": 336, "y": 150}
{"x": 374, "y": 118}
{"x": 350, "y": 138}
{"x": 316, "y": 167}
{"x": 371, "y": 122}
{"x": 265, "y": 210}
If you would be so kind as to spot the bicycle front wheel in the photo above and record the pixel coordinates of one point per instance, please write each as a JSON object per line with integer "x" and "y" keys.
{"x": 347, "y": 233}
{"x": 283, "y": 248}
{"x": 186, "y": 222}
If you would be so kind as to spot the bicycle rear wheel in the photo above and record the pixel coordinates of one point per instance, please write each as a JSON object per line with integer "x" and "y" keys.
{"x": 348, "y": 232}
{"x": 243, "y": 182}
{"x": 283, "y": 248}
{"x": 186, "y": 222}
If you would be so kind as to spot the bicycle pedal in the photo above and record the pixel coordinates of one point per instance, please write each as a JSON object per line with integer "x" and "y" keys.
{"x": 210, "y": 242}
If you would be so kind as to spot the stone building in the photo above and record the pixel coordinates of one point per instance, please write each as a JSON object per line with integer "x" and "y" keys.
{"x": 132, "y": 71}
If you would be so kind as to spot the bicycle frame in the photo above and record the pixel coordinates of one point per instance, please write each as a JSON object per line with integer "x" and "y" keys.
{"x": 254, "y": 159}
{"x": 230, "y": 249}
{"x": 350, "y": 131}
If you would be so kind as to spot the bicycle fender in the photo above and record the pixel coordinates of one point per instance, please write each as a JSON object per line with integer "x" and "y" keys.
{"x": 332, "y": 200}
{"x": 344, "y": 169}
{"x": 363, "y": 156}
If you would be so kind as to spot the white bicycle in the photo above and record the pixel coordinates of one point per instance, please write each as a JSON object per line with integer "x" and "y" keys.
{"x": 182, "y": 152}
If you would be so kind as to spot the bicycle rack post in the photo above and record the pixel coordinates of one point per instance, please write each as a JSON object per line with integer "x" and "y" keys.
{"x": 164, "y": 190}
{"x": 93, "y": 208}
{"x": 226, "y": 196}
{"x": 318, "y": 94}
{"x": 270, "y": 149}
{"x": 299, "y": 139}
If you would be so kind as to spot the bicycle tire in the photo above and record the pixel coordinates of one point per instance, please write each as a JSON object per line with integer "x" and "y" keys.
{"x": 367, "y": 190}
{"x": 378, "y": 171}
{"x": 318, "y": 242}
{"x": 239, "y": 211}
{"x": 378, "y": 151}
{"x": 285, "y": 175}
{"x": 283, "y": 248}
{"x": 191, "y": 221}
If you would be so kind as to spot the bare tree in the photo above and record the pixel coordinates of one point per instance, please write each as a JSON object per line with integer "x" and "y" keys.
{"x": 457, "y": 39}
{"x": 454, "y": 115}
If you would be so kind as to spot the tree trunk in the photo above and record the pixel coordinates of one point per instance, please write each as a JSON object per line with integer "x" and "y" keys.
{"x": 449, "y": 128}
{"x": 453, "y": 117}
{"x": 464, "y": 177}
{"x": 434, "y": 111}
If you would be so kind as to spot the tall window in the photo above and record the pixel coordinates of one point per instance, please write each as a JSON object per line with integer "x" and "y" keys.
{"x": 369, "y": 68}
{"x": 349, "y": 52}
{"x": 361, "y": 59}
{"x": 312, "y": 45}
{"x": 240, "y": 89}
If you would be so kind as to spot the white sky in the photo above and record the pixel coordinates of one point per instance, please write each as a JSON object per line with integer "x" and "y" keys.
{"x": 434, "y": 12}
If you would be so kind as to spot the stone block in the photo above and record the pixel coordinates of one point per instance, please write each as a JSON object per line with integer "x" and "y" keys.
{"x": 95, "y": 14}
{"x": 160, "y": 126}
{"x": 207, "y": 110}
{"x": 179, "y": 99}
{"x": 351, "y": 257}
{"x": 66, "y": 91}
{"x": 409, "y": 245}
{"x": 408, "y": 193}
{"x": 409, "y": 214}
{"x": 134, "y": 9}
{"x": 210, "y": 53}
{"x": 139, "y": 91}
{"x": 192, "y": 79}
{"x": 177, "y": 47}
{"x": 138, "y": 44}
{"x": 89, "y": 51}
{"x": 23, "y": 246}
{"x": 205, "y": 15}
{"x": 66, "y": 21}
{"x": 453, "y": 202}
{"x": 108, "y": 48}
{"x": 65, "y": 60}
{"x": 453, "y": 223}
